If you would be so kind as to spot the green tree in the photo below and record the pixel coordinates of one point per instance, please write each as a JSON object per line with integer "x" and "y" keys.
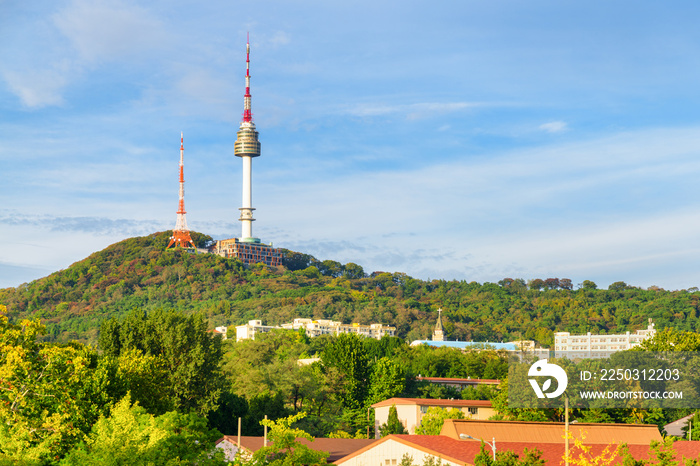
{"x": 189, "y": 355}
{"x": 285, "y": 448}
{"x": 508, "y": 458}
{"x": 670, "y": 339}
{"x": 132, "y": 436}
{"x": 431, "y": 423}
{"x": 589, "y": 285}
{"x": 388, "y": 379}
{"x": 429, "y": 460}
{"x": 392, "y": 425}
{"x": 353, "y": 271}
{"x": 692, "y": 427}
{"x": 505, "y": 412}
{"x": 347, "y": 354}
{"x": 51, "y": 394}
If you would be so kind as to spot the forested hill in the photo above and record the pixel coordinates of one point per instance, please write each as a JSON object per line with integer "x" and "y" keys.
{"x": 141, "y": 273}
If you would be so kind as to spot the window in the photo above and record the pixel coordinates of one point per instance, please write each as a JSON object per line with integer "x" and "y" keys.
{"x": 473, "y": 410}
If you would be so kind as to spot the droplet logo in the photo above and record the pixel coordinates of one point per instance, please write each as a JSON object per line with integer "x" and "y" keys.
{"x": 542, "y": 368}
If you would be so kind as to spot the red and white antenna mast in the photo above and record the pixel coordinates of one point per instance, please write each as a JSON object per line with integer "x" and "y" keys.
{"x": 181, "y": 234}
{"x": 247, "y": 113}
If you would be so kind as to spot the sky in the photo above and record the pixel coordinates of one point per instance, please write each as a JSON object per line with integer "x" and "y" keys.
{"x": 464, "y": 140}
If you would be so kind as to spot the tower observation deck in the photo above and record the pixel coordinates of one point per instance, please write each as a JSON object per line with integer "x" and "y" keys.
{"x": 247, "y": 146}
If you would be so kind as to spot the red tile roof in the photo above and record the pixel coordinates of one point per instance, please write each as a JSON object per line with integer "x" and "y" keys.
{"x": 336, "y": 447}
{"x": 552, "y": 432}
{"x": 464, "y": 451}
{"x": 433, "y": 402}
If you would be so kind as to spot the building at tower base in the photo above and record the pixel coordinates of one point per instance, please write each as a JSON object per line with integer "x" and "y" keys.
{"x": 248, "y": 252}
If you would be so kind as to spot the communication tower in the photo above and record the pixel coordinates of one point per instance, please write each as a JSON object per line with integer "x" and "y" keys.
{"x": 181, "y": 234}
{"x": 247, "y": 248}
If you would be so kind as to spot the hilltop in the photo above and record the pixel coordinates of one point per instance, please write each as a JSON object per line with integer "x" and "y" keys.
{"x": 139, "y": 273}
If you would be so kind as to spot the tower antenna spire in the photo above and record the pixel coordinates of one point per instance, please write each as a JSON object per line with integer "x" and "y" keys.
{"x": 247, "y": 113}
{"x": 181, "y": 234}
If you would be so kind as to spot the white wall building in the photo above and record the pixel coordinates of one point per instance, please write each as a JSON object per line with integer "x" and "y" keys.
{"x": 316, "y": 328}
{"x": 410, "y": 411}
{"x": 249, "y": 330}
{"x": 598, "y": 346}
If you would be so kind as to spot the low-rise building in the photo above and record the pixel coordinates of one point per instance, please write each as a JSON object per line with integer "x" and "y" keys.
{"x": 248, "y": 251}
{"x": 410, "y": 411}
{"x": 319, "y": 327}
{"x": 315, "y": 328}
{"x": 598, "y": 346}
{"x": 252, "y": 328}
{"x": 223, "y": 331}
{"x": 459, "y": 442}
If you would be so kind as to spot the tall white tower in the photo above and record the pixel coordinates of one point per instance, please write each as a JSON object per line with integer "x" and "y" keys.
{"x": 246, "y": 147}
{"x": 248, "y": 249}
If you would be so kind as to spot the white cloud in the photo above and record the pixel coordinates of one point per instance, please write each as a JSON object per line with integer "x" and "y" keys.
{"x": 554, "y": 127}
{"x": 102, "y": 31}
{"x": 37, "y": 88}
{"x": 279, "y": 38}
{"x": 411, "y": 111}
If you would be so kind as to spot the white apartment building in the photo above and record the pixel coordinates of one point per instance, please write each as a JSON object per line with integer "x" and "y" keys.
{"x": 598, "y": 346}
{"x": 249, "y": 330}
{"x": 315, "y": 328}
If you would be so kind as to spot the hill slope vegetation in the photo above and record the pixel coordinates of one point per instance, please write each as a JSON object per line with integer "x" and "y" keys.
{"x": 139, "y": 273}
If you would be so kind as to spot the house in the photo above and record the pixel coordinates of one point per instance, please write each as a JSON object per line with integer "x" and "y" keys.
{"x": 223, "y": 330}
{"x": 551, "y": 432}
{"x": 675, "y": 428}
{"x": 391, "y": 449}
{"x": 336, "y": 447}
{"x": 454, "y": 448}
{"x": 410, "y": 411}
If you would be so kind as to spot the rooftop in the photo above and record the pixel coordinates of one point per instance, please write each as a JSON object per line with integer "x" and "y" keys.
{"x": 552, "y": 432}
{"x": 433, "y": 402}
{"x": 468, "y": 344}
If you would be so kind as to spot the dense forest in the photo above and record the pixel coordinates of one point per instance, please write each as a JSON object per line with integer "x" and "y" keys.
{"x": 114, "y": 357}
{"x": 139, "y": 273}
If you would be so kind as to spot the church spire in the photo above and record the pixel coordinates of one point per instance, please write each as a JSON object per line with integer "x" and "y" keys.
{"x": 438, "y": 334}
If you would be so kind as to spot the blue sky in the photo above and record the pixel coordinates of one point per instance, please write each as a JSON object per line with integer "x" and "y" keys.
{"x": 462, "y": 140}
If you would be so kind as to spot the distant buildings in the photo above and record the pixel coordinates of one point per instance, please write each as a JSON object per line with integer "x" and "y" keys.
{"x": 316, "y": 328}
{"x": 598, "y": 346}
{"x": 520, "y": 346}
